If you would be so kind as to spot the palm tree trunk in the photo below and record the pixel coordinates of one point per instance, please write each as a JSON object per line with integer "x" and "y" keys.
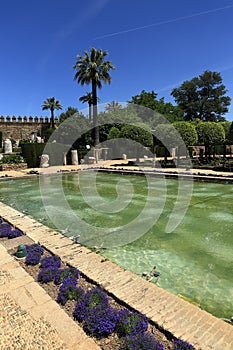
{"x": 90, "y": 110}
{"x": 95, "y": 114}
{"x": 52, "y": 118}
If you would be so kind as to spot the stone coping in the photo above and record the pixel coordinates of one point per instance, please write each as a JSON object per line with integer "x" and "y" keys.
{"x": 171, "y": 313}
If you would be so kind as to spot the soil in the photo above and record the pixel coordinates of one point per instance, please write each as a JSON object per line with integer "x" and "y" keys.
{"x": 107, "y": 343}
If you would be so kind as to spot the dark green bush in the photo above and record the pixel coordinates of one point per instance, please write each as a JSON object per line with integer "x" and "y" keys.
{"x": 12, "y": 159}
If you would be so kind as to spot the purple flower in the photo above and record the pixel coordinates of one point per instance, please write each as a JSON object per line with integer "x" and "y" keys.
{"x": 5, "y": 229}
{"x": 179, "y": 344}
{"x": 51, "y": 261}
{"x": 65, "y": 273}
{"x": 100, "y": 321}
{"x": 96, "y": 296}
{"x": 47, "y": 274}
{"x": 69, "y": 291}
{"x": 15, "y": 233}
{"x": 80, "y": 310}
{"x": 141, "y": 341}
{"x": 131, "y": 323}
{"x": 34, "y": 252}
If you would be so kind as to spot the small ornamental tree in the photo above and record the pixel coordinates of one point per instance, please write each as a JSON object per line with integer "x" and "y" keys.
{"x": 210, "y": 134}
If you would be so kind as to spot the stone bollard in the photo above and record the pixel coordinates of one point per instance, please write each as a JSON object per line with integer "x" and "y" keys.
{"x": 74, "y": 157}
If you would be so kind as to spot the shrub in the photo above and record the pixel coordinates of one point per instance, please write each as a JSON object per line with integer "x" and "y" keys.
{"x": 141, "y": 341}
{"x": 131, "y": 323}
{"x": 69, "y": 291}
{"x": 93, "y": 298}
{"x": 12, "y": 159}
{"x": 34, "y": 253}
{"x": 96, "y": 296}
{"x": 51, "y": 261}
{"x": 5, "y": 229}
{"x": 15, "y": 233}
{"x": 100, "y": 321}
{"x": 47, "y": 274}
{"x": 65, "y": 273}
{"x": 179, "y": 344}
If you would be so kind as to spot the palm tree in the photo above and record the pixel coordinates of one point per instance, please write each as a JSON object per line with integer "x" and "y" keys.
{"x": 52, "y": 104}
{"x": 113, "y": 106}
{"x": 89, "y": 99}
{"x": 91, "y": 68}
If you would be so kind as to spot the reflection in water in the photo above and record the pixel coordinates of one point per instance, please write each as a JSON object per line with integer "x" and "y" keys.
{"x": 195, "y": 260}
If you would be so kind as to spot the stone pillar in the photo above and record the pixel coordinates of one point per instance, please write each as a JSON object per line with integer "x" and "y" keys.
{"x": 7, "y": 146}
{"x": 74, "y": 157}
{"x": 64, "y": 158}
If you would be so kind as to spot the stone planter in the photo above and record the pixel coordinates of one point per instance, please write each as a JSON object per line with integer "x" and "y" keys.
{"x": 8, "y": 167}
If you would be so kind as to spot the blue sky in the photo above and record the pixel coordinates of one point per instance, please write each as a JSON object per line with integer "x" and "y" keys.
{"x": 154, "y": 45}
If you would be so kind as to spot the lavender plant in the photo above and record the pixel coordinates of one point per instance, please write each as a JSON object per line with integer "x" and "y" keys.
{"x": 100, "y": 321}
{"x": 47, "y": 274}
{"x": 5, "y": 229}
{"x": 15, "y": 233}
{"x": 69, "y": 291}
{"x": 179, "y": 344}
{"x": 51, "y": 261}
{"x": 131, "y": 323}
{"x": 34, "y": 253}
{"x": 141, "y": 341}
{"x": 66, "y": 273}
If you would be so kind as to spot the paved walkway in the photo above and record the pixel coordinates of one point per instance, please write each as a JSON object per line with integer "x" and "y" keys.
{"x": 31, "y": 320}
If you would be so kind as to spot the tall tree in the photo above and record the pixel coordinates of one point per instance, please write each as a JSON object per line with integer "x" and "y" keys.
{"x": 113, "y": 106}
{"x": 91, "y": 68}
{"x": 203, "y": 97}
{"x": 52, "y": 104}
{"x": 68, "y": 113}
{"x": 89, "y": 99}
{"x": 155, "y": 110}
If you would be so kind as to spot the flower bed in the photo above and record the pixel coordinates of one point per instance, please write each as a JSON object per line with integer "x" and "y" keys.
{"x": 111, "y": 324}
{"x": 8, "y": 231}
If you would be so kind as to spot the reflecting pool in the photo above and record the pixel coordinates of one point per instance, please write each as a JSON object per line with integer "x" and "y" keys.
{"x": 195, "y": 260}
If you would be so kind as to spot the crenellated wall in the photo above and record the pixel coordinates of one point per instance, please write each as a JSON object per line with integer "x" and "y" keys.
{"x": 21, "y": 128}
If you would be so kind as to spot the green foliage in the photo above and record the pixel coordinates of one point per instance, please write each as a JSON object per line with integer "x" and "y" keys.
{"x": 203, "y": 97}
{"x": 51, "y": 103}
{"x": 12, "y": 159}
{"x": 68, "y": 113}
{"x": 210, "y": 133}
{"x": 156, "y": 110}
{"x": 187, "y": 132}
{"x": 114, "y": 133}
{"x": 138, "y": 134}
{"x": 92, "y": 68}
{"x": 32, "y": 152}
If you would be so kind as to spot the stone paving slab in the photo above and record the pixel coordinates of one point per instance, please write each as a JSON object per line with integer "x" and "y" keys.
{"x": 168, "y": 311}
{"x": 29, "y": 318}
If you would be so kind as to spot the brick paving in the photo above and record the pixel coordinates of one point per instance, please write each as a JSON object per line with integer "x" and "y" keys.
{"x": 169, "y": 312}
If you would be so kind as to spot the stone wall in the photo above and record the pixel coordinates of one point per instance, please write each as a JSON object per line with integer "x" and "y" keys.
{"x": 8, "y": 167}
{"x": 22, "y": 128}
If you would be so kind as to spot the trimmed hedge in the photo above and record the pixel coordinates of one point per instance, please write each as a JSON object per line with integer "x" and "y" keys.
{"x": 33, "y": 151}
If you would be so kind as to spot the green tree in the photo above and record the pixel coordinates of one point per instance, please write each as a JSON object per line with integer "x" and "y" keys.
{"x": 166, "y": 135}
{"x": 91, "y": 68}
{"x": 52, "y": 104}
{"x": 203, "y": 97}
{"x": 157, "y": 109}
{"x": 68, "y": 113}
{"x": 210, "y": 134}
{"x": 188, "y": 135}
{"x": 113, "y": 106}
{"x": 89, "y": 99}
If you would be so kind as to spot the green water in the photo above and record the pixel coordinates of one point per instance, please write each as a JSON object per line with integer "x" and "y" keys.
{"x": 195, "y": 260}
